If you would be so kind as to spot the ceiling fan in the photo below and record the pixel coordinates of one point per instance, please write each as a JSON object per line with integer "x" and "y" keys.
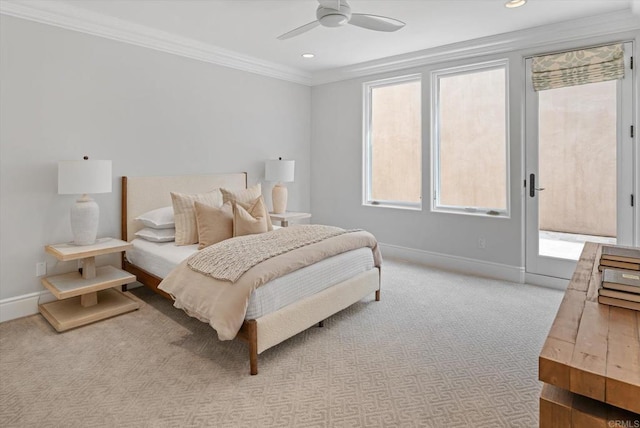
{"x": 334, "y": 13}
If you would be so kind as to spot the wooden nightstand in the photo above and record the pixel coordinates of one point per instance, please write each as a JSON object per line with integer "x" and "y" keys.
{"x": 90, "y": 296}
{"x": 286, "y": 216}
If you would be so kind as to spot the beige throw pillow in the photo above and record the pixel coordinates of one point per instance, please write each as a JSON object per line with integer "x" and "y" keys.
{"x": 214, "y": 224}
{"x": 250, "y": 218}
{"x": 185, "y": 214}
{"x": 246, "y": 195}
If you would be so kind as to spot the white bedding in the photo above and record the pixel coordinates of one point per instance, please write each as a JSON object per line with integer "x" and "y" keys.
{"x": 160, "y": 258}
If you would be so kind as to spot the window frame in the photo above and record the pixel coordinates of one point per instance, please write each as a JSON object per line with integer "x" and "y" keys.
{"x": 436, "y": 206}
{"x": 368, "y": 88}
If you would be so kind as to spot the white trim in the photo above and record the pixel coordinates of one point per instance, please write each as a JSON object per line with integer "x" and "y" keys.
{"x": 626, "y": 164}
{"x": 542, "y": 265}
{"x": 67, "y": 16}
{"x": 27, "y": 304}
{"x": 70, "y": 17}
{"x": 636, "y": 122}
{"x": 367, "y": 178}
{"x": 436, "y": 193}
{"x": 536, "y": 37}
{"x": 455, "y": 263}
{"x": 546, "y": 281}
{"x": 23, "y": 306}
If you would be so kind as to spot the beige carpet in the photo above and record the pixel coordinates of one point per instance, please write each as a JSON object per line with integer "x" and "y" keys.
{"x": 439, "y": 350}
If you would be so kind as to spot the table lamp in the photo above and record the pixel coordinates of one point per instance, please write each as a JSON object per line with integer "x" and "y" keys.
{"x": 280, "y": 171}
{"x": 81, "y": 177}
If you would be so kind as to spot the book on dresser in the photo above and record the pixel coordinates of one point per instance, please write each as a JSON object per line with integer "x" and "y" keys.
{"x": 619, "y": 302}
{"x": 605, "y": 263}
{"x": 621, "y": 254}
{"x": 620, "y": 288}
{"x": 613, "y": 279}
{"x": 621, "y": 295}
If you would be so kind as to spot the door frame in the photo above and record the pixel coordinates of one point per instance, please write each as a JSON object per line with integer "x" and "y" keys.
{"x": 627, "y": 233}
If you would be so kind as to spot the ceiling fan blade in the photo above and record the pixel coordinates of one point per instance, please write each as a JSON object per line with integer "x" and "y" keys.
{"x": 299, "y": 30}
{"x": 375, "y": 22}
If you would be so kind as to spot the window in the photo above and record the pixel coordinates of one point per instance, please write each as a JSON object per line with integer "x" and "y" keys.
{"x": 393, "y": 142}
{"x": 470, "y": 150}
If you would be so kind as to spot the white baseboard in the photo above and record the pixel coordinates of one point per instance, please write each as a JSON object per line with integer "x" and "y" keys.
{"x": 546, "y": 281}
{"x": 455, "y": 263}
{"x": 27, "y": 304}
{"x": 23, "y": 306}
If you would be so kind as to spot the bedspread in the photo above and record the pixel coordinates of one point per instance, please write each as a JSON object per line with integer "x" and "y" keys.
{"x": 231, "y": 258}
{"x": 223, "y": 304}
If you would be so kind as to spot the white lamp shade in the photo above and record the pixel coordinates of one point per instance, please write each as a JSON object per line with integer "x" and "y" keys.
{"x": 279, "y": 170}
{"x": 77, "y": 177}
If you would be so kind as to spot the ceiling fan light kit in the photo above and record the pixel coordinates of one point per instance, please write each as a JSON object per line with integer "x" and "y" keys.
{"x": 514, "y": 3}
{"x": 336, "y": 13}
{"x": 329, "y": 17}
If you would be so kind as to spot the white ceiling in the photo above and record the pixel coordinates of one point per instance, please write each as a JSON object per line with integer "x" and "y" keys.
{"x": 250, "y": 27}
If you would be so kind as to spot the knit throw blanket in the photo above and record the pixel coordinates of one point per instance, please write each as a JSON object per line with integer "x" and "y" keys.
{"x": 229, "y": 259}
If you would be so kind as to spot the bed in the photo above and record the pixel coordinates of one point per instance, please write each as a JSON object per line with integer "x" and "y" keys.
{"x": 264, "y": 327}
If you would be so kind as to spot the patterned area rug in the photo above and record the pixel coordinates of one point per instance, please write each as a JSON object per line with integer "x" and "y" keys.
{"x": 440, "y": 349}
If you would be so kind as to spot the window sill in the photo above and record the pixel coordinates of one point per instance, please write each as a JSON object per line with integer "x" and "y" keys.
{"x": 386, "y": 205}
{"x": 473, "y": 212}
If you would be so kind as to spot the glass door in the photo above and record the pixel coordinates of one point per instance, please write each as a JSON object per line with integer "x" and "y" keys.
{"x": 579, "y": 171}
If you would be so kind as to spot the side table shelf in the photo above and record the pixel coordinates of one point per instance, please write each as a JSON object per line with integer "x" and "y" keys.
{"x": 285, "y": 217}
{"x": 89, "y": 296}
{"x": 72, "y": 284}
{"x": 69, "y": 313}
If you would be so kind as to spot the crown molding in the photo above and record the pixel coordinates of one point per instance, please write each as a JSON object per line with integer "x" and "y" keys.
{"x": 67, "y": 16}
{"x": 533, "y": 38}
{"x": 73, "y": 18}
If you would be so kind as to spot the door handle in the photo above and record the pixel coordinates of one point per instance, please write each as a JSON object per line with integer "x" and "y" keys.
{"x": 532, "y": 186}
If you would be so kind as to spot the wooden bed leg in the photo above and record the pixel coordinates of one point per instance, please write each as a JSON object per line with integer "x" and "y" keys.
{"x": 252, "y": 336}
{"x": 321, "y": 323}
{"x": 377, "y": 295}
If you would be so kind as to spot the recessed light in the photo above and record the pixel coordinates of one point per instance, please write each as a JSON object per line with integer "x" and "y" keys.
{"x": 515, "y": 3}
{"x": 308, "y": 55}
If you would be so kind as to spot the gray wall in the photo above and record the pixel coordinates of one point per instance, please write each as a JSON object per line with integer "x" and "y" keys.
{"x": 66, "y": 94}
{"x": 337, "y": 171}
{"x": 336, "y": 190}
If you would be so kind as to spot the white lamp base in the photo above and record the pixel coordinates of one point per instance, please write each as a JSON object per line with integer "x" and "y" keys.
{"x": 84, "y": 221}
{"x": 279, "y": 198}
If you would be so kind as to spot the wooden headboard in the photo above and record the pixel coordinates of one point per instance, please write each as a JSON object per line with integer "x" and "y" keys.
{"x": 142, "y": 194}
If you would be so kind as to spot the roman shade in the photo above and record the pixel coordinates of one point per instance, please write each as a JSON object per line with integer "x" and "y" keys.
{"x": 578, "y": 67}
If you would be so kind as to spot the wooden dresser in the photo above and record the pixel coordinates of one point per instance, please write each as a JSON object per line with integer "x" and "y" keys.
{"x": 590, "y": 362}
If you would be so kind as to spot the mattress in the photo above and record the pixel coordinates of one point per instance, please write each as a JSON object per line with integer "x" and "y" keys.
{"x": 160, "y": 258}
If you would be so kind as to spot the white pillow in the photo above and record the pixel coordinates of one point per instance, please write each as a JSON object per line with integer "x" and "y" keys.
{"x": 157, "y": 235}
{"x": 161, "y": 218}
